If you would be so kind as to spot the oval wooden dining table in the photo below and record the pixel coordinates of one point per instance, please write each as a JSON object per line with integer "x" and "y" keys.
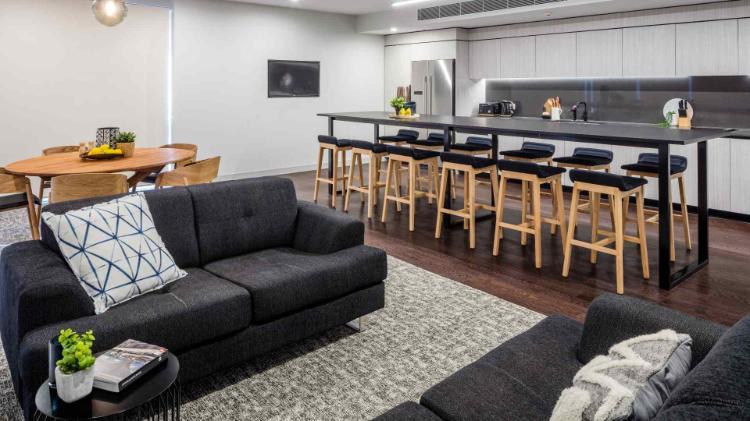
{"x": 143, "y": 162}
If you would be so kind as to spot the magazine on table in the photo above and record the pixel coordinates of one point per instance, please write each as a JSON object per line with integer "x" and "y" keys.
{"x": 122, "y": 365}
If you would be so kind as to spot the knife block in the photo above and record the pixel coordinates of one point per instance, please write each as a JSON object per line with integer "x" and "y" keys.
{"x": 684, "y": 123}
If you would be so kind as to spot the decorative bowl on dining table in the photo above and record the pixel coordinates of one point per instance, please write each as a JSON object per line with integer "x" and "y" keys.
{"x": 103, "y": 152}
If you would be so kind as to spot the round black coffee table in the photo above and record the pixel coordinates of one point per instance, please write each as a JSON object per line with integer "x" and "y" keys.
{"x": 154, "y": 396}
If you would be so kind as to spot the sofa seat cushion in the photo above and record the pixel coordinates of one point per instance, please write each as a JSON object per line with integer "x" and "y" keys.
{"x": 191, "y": 311}
{"x": 284, "y": 280}
{"x": 520, "y": 379}
{"x": 408, "y": 411}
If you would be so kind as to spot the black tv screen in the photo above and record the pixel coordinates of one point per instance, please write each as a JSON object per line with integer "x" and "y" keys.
{"x": 293, "y": 78}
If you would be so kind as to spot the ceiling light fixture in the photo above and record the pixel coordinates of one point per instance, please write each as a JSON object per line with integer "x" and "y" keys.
{"x": 394, "y": 29}
{"x": 407, "y": 2}
{"x": 109, "y": 12}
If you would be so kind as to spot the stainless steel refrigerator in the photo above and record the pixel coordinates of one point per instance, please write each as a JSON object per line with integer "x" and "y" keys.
{"x": 433, "y": 86}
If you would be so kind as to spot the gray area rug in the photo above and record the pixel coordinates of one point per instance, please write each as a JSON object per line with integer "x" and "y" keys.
{"x": 431, "y": 326}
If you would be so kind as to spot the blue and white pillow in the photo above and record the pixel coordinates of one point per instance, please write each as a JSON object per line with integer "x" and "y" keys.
{"x": 114, "y": 250}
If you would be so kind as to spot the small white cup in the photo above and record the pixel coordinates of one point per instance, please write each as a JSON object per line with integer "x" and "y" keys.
{"x": 556, "y": 114}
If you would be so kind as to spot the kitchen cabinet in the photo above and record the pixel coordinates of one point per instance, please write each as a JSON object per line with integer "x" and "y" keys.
{"x": 719, "y": 173}
{"x": 707, "y": 48}
{"x": 556, "y": 55}
{"x": 517, "y": 57}
{"x": 740, "y": 197}
{"x": 649, "y": 51}
{"x": 483, "y": 59}
{"x": 599, "y": 53}
{"x": 440, "y": 50}
{"x": 744, "y": 46}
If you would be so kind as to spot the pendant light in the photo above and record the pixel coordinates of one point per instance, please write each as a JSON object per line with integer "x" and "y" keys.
{"x": 109, "y": 12}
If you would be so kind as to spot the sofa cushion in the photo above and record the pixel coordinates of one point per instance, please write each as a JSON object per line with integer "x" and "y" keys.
{"x": 408, "y": 411}
{"x": 719, "y": 387}
{"x": 284, "y": 280}
{"x": 172, "y": 211}
{"x": 244, "y": 216}
{"x": 520, "y": 379}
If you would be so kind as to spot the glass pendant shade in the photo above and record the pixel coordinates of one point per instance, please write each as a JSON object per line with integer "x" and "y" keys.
{"x": 109, "y": 12}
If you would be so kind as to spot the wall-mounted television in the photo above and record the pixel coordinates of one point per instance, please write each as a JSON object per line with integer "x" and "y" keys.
{"x": 290, "y": 79}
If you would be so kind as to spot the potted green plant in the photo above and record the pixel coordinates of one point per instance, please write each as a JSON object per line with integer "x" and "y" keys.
{"x": 126, "y": 143}
{"x": 74, "y": 372}
{"x": 398, "y": 104}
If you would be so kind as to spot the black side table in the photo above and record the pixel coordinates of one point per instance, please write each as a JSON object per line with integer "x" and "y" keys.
{"x": 155, "y": 396}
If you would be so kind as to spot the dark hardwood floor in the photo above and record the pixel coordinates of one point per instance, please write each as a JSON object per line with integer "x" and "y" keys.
{"x": 721, "y": 292}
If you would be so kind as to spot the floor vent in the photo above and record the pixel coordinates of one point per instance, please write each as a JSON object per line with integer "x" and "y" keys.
{"x": 476, "y": 6}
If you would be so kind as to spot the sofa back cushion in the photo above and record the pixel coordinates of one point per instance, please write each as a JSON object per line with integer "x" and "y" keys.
{"x": 174, "y": 219}
{"x": 719, "y": 387}
{"x": 243, "y": 216}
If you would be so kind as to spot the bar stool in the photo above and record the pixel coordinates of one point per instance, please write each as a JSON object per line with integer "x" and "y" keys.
{"x": 434, "y": 142}
{"x": 336, "y": 146}
{"x": 648, "y": 167}
{"x": 375, "y": 152}
{"x": 538, "y": 153}
{"x": 470, "y": 166}
{"x": 401, "y": 138}
{"x": 474, "y": 146}
{"x": 618, "y": 188}
{"x": 398, "y": 155}
{"x": 536, "y": 175}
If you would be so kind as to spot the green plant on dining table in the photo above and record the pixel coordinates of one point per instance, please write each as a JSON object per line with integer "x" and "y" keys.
{"x": 398, "y": 103}
{"x": 125, "y": 137}
{"x": 76, "y": 351}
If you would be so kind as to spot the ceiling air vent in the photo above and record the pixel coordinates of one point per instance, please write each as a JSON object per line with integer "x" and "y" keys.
{"x": 476, "y": 6}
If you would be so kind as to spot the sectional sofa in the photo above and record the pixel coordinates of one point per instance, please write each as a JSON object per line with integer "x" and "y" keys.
{"x": 263, "y": 269}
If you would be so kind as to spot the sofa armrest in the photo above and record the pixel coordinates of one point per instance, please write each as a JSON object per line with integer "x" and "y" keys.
{"x": 324, "y": 231}
{"x": 612, "y": 319}
{"x": 37, "y": 288}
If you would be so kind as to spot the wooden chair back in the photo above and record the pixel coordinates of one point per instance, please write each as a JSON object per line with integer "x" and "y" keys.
{"x": 83, "y": 186}
{"x": 199, "y": 172}
{"x": 10, "y": 183}
{"x": 184, "y": 146}
{"x": 59, "y": 149}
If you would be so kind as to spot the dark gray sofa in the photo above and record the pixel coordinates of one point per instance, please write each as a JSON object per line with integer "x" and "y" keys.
{"x": 264, "y": 271}
{"x": 523, "y": 378}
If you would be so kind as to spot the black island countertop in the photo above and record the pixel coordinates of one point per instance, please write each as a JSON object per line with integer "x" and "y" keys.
{"x": 629, "y": 134}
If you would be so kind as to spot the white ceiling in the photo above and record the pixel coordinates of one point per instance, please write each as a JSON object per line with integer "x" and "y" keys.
{"x": 349, "y": 7}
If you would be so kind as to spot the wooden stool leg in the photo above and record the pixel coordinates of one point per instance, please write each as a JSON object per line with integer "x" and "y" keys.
{"x": 494, "y": 184}
{"x": 684, "y": 210}
{"x": 466, "y": 198}
{"x": 435, "y": 176}
{"x": 441, "y": 198}
{"x": 453, "y": 185}
{"x": 619, "y": 244}
{"x": 348, "y": 194}
{"x": 413, "y": 168}
{"x": 317, "y": 177}
{"x": 537, "y": 198}
{"x": 335, "y": 177}
{"x": 372, "y": 185}
{"x": 397, "y": 167}
{"x": 361, "y": 175}
{"x": 378, "y": 165}
{"x": 555, "y": 205}
{"x": 431, "y": 186}
{"x": 388, "y": 171}
{"x": 595, "y": 207}
{"x": 500, "y": 204}
{"x": 345, "y": 181}
{"x": 641, "y": 218}
{"x": 524, "y": 209}
{"x": 672, "y": 250}
{"x": 560, "y": 216}
{"x": 472, "y": 210}
{"x": 571, "y": 231}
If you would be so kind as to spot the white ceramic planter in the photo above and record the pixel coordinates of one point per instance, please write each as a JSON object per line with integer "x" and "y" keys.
{"x": 76, "y": 386}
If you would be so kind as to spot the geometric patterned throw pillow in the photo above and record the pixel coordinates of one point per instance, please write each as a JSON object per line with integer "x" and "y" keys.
{"x": 114, "y": 250}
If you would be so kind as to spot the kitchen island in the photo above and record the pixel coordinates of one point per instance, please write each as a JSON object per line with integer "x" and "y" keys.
{"x": 609, "y": 133}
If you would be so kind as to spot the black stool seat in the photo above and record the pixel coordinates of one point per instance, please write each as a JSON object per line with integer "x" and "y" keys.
{"x": 363, "y": 144}
{"x": 474, "y": 144}
{"x": 620, "y": 182}
{"x": 331, "y": 140}
{"x": 649, "y": 163}
{"x": 589, "y": 157}
{"x": 541, "y": 171}
{"x": 418, "y": 154}
{"x": 434, "y": 139}
{"x": 531, "y": 150}
{"x": 15, "y": 200}
{"x": 402, "y": 136}
{"x": 474, "y": 161}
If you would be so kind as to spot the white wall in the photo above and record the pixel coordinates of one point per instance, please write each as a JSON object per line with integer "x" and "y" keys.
{"x": 220, "y": 82}
{"x": 63, "y": 75}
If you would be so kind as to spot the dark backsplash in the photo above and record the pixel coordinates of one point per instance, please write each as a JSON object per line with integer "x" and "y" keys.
{"x": 718, "y": 101}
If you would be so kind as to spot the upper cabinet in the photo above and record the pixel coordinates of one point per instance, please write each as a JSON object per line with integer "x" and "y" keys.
{"x": 556, "y": 55}
{"x": 649, "y": 51}
{"x": 483, "y": 59}
{"x": 440, "y": 50}
{"x": 599, "y": 53}
{"x": 517, "y": 57}
{"x": 744, "y": 28}
{"x": 707, "y": 48}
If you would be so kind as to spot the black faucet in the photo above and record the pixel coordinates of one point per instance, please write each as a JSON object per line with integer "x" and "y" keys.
{"x": 585, "y": 115}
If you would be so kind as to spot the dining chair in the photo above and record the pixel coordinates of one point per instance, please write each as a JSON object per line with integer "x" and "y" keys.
{"x": 151, "y": 178}
{"x": 199, "y": 172}
{"x": 45, "y": 181}
{"x": 83, "y": 186}
{"x": 16, "y": 194}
